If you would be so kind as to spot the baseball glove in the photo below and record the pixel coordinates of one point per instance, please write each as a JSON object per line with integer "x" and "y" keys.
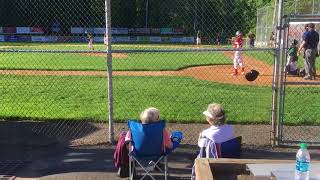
{"x": 252, "y": 75}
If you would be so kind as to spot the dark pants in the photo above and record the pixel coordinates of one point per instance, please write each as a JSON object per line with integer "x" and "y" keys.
{"x": 251, "y": 41}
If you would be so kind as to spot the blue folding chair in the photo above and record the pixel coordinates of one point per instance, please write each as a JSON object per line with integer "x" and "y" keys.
{"x": 147, "y": 143}
{"x": 231, "y": 148}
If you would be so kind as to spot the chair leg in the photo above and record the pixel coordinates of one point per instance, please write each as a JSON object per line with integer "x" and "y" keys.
{"x": 165, "y": 168}
{"x": 130, "y": 169}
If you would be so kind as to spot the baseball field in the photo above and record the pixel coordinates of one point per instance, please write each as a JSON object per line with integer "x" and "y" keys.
{"x": 54, "y": 85}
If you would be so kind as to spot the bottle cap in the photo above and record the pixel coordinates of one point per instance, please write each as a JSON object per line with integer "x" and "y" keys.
{"x": 303, "y": 146}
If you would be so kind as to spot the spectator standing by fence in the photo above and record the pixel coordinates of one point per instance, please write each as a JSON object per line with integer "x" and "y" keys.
{"x": 252, "y": 38}
{"x": 218, "y": 39}
{"x": 310, "y": 44}
{"x": 272, "y": 40}
{"x": 90, "y": 40}
{"x": 198, "y": 38}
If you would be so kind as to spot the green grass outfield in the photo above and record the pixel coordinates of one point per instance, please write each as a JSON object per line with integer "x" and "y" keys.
{"x": 134, "y": 61}
{"x": 180, "y": 99}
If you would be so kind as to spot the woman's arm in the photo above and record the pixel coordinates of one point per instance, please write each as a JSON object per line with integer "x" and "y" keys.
{"x": 166, "y": 139}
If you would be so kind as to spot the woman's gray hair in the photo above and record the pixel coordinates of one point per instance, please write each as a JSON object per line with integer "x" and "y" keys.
{"x": 215, "y": 114}
{"x": 150, "y": 115}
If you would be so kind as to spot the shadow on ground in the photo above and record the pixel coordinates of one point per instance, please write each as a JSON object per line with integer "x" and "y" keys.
{"x": 46, "y": 155}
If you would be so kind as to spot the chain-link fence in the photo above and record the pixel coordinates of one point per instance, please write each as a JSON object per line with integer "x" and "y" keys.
{"x": 267, "y": 18}
{"x": 298, "y": 117}
{"x": 266, "y": 26}
{"x": 54, "y": 70}
{"x": 171, "y": 72}
{"x": 49, "y": 75}
{"x": 302, "y": 7}
{"x": 177, "y": 56}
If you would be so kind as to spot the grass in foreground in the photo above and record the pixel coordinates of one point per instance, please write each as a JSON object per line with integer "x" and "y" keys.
{"x": 179, "y": 99}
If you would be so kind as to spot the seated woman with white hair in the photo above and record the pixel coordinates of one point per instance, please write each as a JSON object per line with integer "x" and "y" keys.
{"x": 218, "y": 131}
{"x": 151, "y": 115}
{"x": 216, "y": 134}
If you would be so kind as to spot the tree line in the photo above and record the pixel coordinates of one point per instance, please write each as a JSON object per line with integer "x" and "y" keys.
{"x": 208, "y": 16}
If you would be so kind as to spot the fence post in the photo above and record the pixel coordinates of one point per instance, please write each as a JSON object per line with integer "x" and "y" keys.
{"x": 274, "y": 131}
{"x": 313, "y": 7}
{"x": 109, "y": 64}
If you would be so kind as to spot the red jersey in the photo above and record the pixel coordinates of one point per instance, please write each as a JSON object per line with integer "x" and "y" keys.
{"x": 238, "y": 42}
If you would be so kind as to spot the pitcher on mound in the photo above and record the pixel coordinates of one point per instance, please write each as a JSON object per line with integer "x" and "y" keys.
{"x": 237, "y": 60}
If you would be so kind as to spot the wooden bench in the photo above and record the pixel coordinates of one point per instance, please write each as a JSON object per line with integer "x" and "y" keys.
{"x": 224, "y": 168}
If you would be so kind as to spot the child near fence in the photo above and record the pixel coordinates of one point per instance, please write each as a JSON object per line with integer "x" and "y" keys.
{"x": 292, "y": 59}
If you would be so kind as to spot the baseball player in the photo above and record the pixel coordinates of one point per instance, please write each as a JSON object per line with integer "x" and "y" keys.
{"x": 237, "y": 56}
{"x": 90, "y": 40}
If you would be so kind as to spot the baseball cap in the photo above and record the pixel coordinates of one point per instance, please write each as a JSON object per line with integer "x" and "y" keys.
{"x": 214, "y": 111}
{"x": 238, "y": 33}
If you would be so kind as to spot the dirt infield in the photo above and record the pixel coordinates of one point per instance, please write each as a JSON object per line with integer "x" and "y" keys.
{"x": 214, "y": 73}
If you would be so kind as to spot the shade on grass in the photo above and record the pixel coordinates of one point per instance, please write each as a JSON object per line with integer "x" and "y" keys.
{"x": 265, "y": 56}
{"x": 268, "y": 57}
{"x": 134, "y": 61}
{"x": 179, "y": 99}
{"x": 169, "y": 61}
{"x": 47, "y": 97}
{"x": 48, "y": 61}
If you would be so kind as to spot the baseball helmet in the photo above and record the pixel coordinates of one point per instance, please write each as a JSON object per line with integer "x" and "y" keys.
{"x": 252, "y": 75}
{"x": 238, "y": 33}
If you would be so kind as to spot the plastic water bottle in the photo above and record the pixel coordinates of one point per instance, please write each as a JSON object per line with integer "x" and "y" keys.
{"x": 302, "y": 163}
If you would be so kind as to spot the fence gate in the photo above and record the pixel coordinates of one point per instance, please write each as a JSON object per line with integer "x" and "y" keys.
{"x": 299, "y": 116}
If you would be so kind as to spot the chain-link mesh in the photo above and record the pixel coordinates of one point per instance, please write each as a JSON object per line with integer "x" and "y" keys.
{"x": 49, "y": 75}
{"x": 302, "y": 7}
{"x": 267, "y": 18}
{"x": 266, "y": 24}
{"x": 299, "y": 115}
{"x": 177, "y": 56}
{"x": 181, "y": 59}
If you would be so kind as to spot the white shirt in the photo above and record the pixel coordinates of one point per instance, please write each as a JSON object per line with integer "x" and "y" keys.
{"x": 218, "y": 134}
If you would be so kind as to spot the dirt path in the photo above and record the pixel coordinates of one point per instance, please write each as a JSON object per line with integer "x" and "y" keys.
{"x": 215, "y": 73}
